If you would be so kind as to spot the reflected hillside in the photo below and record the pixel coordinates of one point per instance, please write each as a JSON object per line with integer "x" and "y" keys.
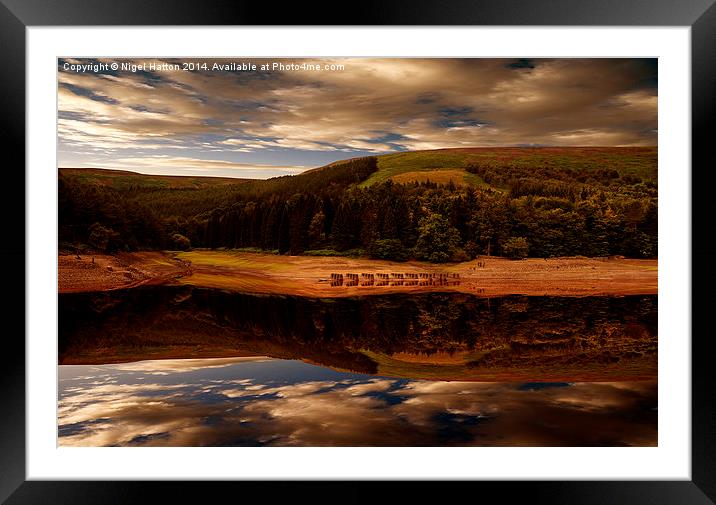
{"x": 441, "y": 336}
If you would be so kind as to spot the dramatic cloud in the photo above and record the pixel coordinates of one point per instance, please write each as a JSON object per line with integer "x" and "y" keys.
{"x": 272, "y": 122}
{"x": 261, "y": 401}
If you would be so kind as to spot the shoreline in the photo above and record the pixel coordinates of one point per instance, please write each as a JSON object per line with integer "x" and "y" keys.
{"x": 310, "y": 276}
{"x": 104, "y": 272}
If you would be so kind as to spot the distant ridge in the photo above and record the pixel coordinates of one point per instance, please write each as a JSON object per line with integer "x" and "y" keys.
{"x": 123, "y": 178}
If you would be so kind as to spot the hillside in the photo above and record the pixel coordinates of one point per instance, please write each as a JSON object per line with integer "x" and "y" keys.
{"x": 443, "y": 165}
{"x": 462, "y": 166}
{"x": 126, "y": 180}
{"x": 440, "y": 205}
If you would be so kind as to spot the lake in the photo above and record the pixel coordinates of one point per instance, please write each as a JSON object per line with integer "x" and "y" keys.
{"x": 184, "y": 366}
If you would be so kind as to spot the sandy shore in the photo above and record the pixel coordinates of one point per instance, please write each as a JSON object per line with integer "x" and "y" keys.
{"x": 311, "y": 276}
{"x": 100, "y": 272}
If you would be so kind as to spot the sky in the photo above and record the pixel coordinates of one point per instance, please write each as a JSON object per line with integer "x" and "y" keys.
{"x": 226, "y": 118}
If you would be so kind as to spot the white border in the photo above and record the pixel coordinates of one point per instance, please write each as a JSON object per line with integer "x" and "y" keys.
{"x": 670, "y": 460}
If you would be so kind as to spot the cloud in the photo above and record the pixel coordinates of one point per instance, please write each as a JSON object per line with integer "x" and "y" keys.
{"x": 185, "y": 365}
{"x": 371, "y": 106}
{"x": 213, "y": 402}
{"x": 165, "y": 164}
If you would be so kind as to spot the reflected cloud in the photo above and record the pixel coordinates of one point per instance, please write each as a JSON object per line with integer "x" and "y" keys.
{"x": 185, "y": 365}
{"x": 238, "y": 408}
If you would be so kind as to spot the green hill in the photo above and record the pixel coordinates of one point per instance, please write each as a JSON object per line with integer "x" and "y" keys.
{"x": 463, "y": 166}
{"x": 543, "y": 202}
{"x": 443, "y": 165}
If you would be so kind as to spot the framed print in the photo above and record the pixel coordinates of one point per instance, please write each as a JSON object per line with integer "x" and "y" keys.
{"x": 428, "y": 245}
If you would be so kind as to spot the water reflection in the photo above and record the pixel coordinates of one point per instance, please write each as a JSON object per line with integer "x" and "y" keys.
{"x": 427, "y": 369}
{"x": 263, "y": 401}
{"x": 439, "y": 336}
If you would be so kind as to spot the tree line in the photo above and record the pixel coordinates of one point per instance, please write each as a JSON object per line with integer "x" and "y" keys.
{"x": 324, "y": 211}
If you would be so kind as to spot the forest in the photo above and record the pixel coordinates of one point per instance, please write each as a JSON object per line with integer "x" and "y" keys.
{"x": 545, "y": 210}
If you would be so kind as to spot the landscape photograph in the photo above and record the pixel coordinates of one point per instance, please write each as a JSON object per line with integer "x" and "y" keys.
{"x": 354, "y": 252}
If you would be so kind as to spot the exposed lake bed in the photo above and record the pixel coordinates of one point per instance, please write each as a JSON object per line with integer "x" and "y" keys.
{"x": 308, "y": 276}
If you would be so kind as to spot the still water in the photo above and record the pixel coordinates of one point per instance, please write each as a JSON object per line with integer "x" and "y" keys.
{"x": 420, "y": 370}
{"x": 263, "y": 401}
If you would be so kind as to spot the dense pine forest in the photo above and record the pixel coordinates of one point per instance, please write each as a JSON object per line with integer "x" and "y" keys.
{"x": 512, "y": 209}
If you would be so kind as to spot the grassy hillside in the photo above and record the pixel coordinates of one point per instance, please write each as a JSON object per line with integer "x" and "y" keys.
{"x": 124, "y": 179}
{"x": 440, "y": 166}
{"x": 443, "y": 165}
{"x": 442, "y": 204}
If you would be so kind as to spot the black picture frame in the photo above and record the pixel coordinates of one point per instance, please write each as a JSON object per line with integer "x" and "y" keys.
{"x": 17, "y": 15}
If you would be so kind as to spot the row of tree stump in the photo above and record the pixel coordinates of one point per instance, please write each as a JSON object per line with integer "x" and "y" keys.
{"x": 395, "y": 279}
